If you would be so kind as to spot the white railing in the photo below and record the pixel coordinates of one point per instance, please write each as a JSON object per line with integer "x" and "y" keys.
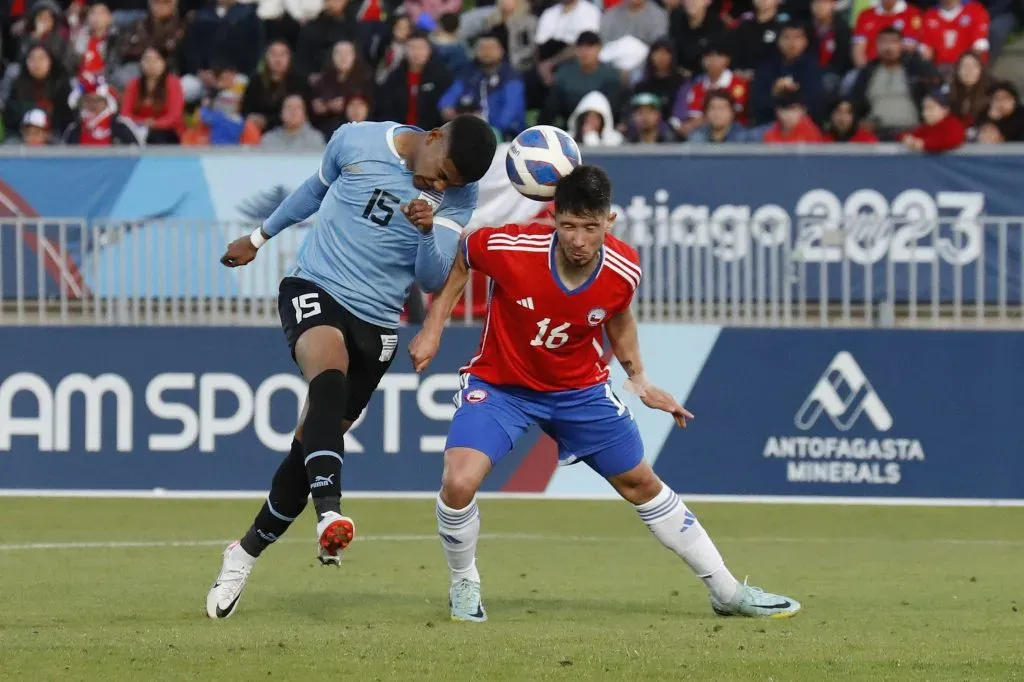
{"x": 861, "y": 272}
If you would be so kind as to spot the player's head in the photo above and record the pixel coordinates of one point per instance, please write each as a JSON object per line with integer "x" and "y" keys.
{"x": 583, "y": 201}
{"x": 456, "y": 154}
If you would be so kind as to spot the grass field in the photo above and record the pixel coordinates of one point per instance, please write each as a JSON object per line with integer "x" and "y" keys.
{"x": 574, "y": 590}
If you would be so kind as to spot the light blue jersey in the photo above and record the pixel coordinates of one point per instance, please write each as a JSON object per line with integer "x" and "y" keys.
{"x": 363, "y": 250}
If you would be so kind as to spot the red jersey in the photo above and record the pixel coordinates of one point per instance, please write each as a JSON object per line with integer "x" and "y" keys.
{"x": 538, "y": 334}
{"x": 950, "y": 33}
{"x": 737, "y": 87}
{"x": 904, "y": 18}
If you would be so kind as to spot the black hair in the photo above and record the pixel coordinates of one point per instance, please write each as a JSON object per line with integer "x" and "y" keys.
{"x": 1004, "y": 86}
{"x": 419, "y": 34}
{"x": 718, "y": 94}
{"x": 794, "y": 25}
{"x": 449, "y": 22}
{"x": 587, "y": 190}
{"x": 890, "y": 31}
{"x": 471, "y": 146}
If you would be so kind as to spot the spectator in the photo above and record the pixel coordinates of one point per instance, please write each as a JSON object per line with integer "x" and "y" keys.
{"x": 896, "y": 15}
{"x": 993, "y": 132}
{"x": 295, "y": 134}
{"x": 98, "y": 124}
{"x": 793, "y": 125}
{"x": 282, "y": 19}
{"x": 558, "y": 29}
{"x": 953, "y": 28}
{"x": 832, "y": 44}
{"x": 35, "y": 130}
{"x": 662, "y": 76}
{"x": 223, "y": 119}
{"x": 318, "y": 38}
{"x": 968, "y": 92}
{"x": 793, "y": 68}
{"x": 688, "y": 112}
{"x": 412, "y": 92}
{"x": 495, "y": 84}
{"x": 345, "y": 75}
{"x": 509, "y": 17}
{"x": 1004, "y": 109}
{"x": 394, "y": 54}
{"x": 646, "y": 124}
{"x": 642, "y": 19}
{"x": 580, "y": 76}
{"x": 471, "y": 104}
{"x": 755, "y": 37}
{"x": 268, "y": 87}
{"x": 592, "y": 124}
{"x": 155, "y": 101}
{"x": 225, "y": 33}
{"x": 45, "y": 25}
{"x": 41, "y": 84}
{"x": 162, "y": 28}
{"x": 844, "y": 125}
{"x": 693, "y": 27}
{"x": 447, "y": 44}
{"x": 720, "y": 121}
{"x": 887, "y": 90}
{"x": 940, "y": 132}
{"x": 358, "y": 108}
{"x": 425, "y": 13}
{"x": 93, "y": 42}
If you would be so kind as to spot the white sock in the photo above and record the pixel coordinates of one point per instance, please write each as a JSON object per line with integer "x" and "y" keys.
{"x": 459, "y": 530}
{"x": 677, "y": 528}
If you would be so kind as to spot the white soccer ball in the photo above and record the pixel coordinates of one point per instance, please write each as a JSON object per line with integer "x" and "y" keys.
{"x": 538, "y": 158}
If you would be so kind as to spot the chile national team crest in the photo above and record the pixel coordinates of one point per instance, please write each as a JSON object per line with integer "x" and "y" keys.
{"x": 477, "y": 395}
{"x": 596, "y": 316}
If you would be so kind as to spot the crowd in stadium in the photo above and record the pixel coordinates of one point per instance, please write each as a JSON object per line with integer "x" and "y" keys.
{"x": 283, "y": 74}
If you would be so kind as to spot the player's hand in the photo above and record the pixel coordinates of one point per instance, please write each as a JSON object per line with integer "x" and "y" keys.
{"x": 660, "y": 399}
{"x": 423, "y": 349}
{"x": 240, "y": 252}
{"x": 420, "y": 214}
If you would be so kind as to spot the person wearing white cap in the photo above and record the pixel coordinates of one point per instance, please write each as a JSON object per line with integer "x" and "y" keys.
{"x": 35, "y": 130}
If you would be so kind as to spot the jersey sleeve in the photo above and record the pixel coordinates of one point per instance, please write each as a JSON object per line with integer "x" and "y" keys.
{"x": 912, "y": 34}
{"x": 457, "y": 209}
{"x": 860, "y": 28}
{"x": 625, "y": 262}
{"x": 981, "y": 24}
{"x": 487, "y": 249}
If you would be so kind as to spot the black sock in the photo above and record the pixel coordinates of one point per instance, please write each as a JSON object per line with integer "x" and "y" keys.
{"x": 323, "y": 441}
{"x": 287, "y": 499}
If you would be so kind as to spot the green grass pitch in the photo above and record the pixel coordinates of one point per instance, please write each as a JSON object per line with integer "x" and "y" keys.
{"x": 574, "y": 591}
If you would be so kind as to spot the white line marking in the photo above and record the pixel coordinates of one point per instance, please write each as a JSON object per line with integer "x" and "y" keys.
{"x": 527, "y": 537}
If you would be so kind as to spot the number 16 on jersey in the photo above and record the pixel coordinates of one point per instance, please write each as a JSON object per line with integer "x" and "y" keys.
{"x": 553, "y": 338}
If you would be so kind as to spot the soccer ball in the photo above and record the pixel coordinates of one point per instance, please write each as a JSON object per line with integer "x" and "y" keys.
{"x": 538, "y": 158}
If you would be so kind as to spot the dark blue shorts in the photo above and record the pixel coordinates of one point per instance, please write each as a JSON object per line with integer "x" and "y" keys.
{"x": 589, "y": 424}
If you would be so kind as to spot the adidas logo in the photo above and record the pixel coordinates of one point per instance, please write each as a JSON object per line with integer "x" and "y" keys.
{"x": 526, "y": 303}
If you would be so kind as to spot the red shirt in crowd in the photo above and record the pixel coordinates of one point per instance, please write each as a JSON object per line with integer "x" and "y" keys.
{"x": 737, "y": 87}
{"x": 412, "y": 82}
{"x": 903, "y": 17}
{"x": 805, "y": 131}
{"x": 948, "y": 34}
{"x": 944, "y": 136}
{"x": 170, "y": 116}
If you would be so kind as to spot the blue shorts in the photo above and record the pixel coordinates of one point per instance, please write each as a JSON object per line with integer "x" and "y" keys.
{"x": 589, "y": 424}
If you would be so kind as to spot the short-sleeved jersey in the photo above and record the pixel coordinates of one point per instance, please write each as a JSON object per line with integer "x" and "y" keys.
{"x": 538, "y": 334}
{"x": 362, "y": 249}
{"x": 950, "y": 33}
{"x": 737, "y": 87}
{"x": 904, "y": 17}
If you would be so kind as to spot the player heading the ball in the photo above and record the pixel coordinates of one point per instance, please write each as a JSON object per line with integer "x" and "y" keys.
{"x": 390, "y": 201}
{"x": 540, "y": 362}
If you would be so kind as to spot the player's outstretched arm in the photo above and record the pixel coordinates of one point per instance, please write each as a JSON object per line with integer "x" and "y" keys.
{"x": 625, "y": 341}
{"x": 424, "y": 347}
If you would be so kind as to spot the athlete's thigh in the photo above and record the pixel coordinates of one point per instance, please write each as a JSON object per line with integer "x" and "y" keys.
{"x": 313, "y": 325}
{"x": 488, "y": 419}
{"x": 595, "y": 427}
{"x": 371, "y": 350}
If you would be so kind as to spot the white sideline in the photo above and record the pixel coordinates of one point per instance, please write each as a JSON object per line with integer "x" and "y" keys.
{"x": 531, "y": 537}
{"x": 157, "y": 493}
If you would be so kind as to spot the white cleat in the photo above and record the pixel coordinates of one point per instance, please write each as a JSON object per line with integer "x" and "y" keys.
{"x": 227, "y": 588}
{"x": 335, "y": 532}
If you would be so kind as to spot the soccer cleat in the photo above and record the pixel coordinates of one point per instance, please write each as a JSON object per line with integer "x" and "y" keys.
{"x": 336, "y": 532}
{"x": 754, "y": 602}
{"x": 226, "y": 592}
{"x": 464, "y": 600}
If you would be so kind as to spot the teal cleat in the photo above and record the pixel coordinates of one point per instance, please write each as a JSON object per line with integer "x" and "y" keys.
{"x": 754, "y": 602}
{"x": 464, "y": 599}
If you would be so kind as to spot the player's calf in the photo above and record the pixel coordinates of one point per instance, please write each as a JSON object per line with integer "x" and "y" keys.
{"x": 323, "y": 441}
{"x": 458, "y": 525}
{"x": 285, "y": 502}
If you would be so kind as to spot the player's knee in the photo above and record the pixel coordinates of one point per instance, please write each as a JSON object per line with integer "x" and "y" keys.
{"x": 461, "y": 479}
{"x": 639, "y": 486}
{"x": 328, "y": 390}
